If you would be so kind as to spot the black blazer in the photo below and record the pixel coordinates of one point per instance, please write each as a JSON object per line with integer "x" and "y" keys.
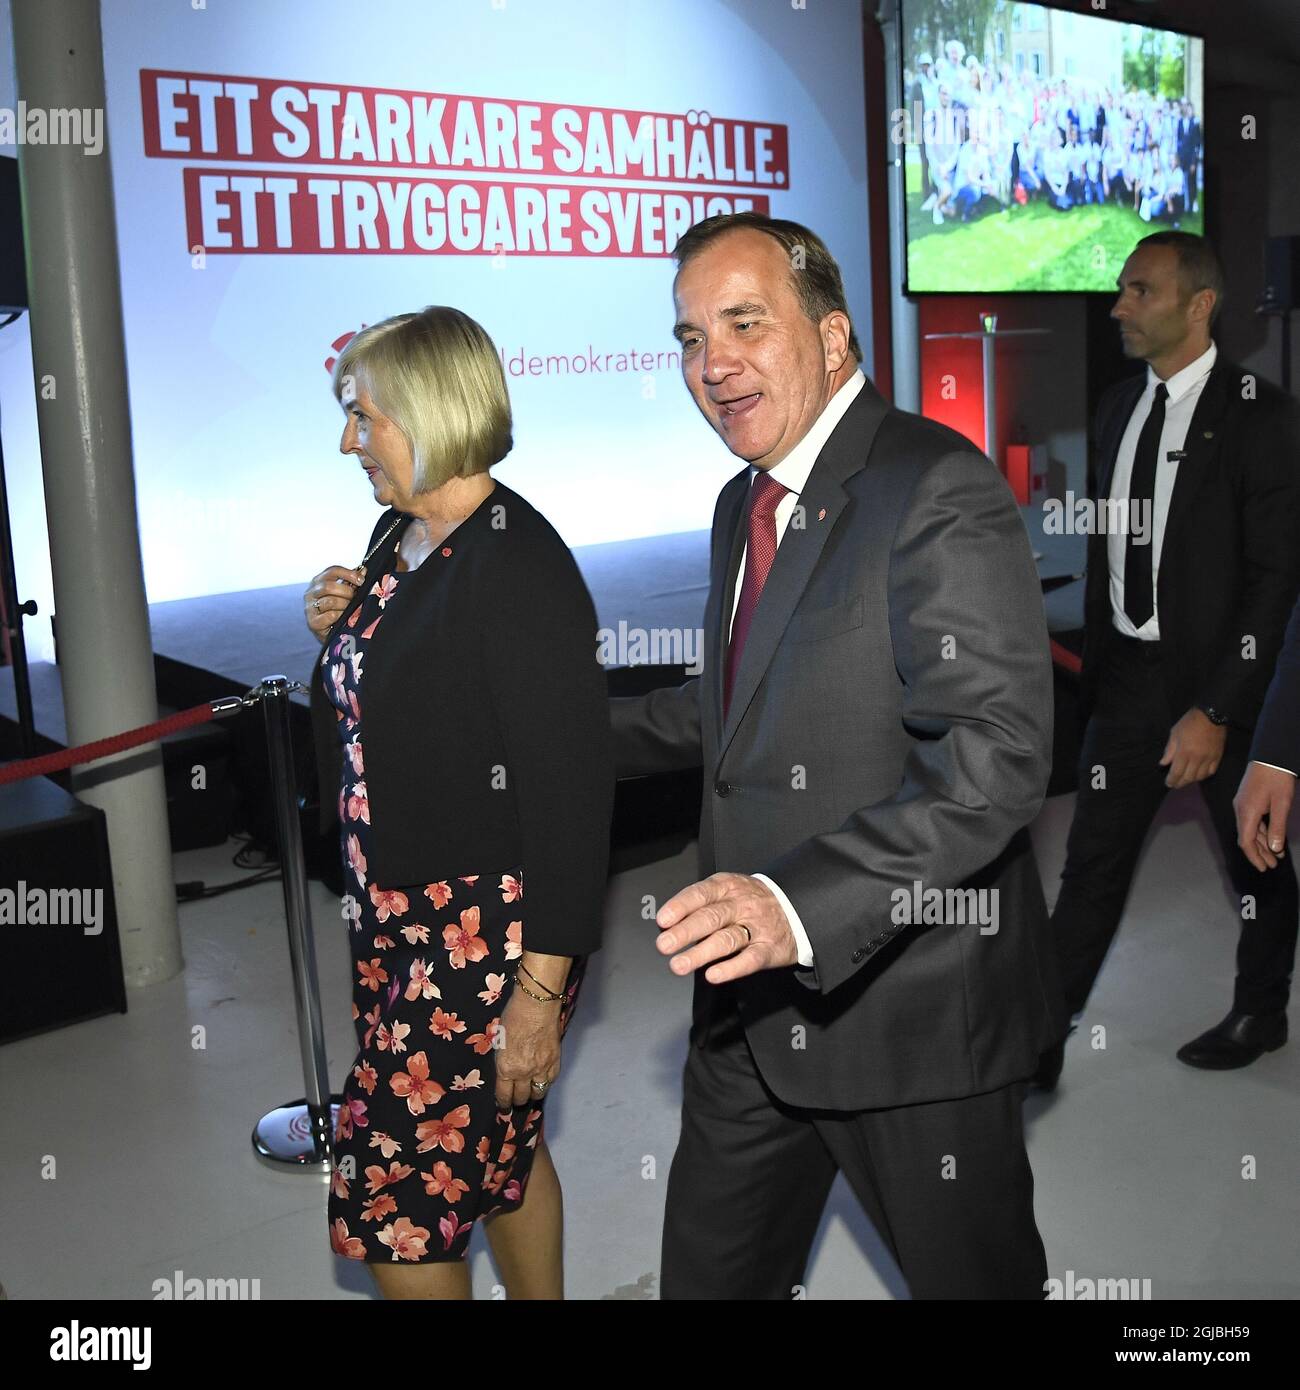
{"x": 1230, "y": 558}
{"x": 1277, "y": 735}
{"x": 485, "y": 722}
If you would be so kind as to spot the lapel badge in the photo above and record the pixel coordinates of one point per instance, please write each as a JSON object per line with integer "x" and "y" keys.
{"x": 821, "y": 515}
{"x": 1209, "y": 434}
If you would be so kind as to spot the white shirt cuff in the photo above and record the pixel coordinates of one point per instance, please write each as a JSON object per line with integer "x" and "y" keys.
{"x": 796, "y": 926}
{"x": 1256, "y": 760}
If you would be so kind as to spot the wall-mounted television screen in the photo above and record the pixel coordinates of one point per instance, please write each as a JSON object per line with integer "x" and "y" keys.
{"x": 1041, "y": 144}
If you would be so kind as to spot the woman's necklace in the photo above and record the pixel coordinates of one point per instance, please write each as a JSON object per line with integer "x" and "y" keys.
{"x": 381, "y": 540}
{"x": 403, "y": 517}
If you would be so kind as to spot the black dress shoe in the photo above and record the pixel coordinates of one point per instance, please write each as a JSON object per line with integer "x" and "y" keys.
{"x": 1236, "y": 1042}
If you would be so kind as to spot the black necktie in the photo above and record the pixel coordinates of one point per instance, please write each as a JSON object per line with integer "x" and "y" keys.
{"x": 1139, "y": 601}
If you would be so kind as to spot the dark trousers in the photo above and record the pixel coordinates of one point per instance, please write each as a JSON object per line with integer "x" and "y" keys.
{"x": 1125, "y": 738}
{"x": 947, "y": 1185}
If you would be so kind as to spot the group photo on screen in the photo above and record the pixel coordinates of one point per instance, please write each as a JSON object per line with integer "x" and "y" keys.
{"x": 1040, "y": 144}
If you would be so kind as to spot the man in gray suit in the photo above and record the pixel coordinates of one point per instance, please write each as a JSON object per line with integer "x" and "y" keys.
{"x": 874, "y": 723}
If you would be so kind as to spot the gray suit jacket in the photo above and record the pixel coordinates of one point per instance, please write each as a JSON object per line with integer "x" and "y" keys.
{"x": 891, "y": 725}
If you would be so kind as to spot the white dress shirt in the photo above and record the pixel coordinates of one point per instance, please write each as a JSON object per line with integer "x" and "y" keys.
{"x": 792, "y": 473}
{"x": 1184, "y": 389}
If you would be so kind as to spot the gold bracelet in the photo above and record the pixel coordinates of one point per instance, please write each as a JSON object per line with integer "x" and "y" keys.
{"x": 538, "y": 982}
{"x": 540, "y": 998}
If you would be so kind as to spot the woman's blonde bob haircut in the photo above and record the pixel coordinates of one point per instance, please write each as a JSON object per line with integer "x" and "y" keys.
{"x": 437, "y": 377}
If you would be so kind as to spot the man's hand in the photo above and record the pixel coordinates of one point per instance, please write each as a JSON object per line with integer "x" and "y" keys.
{"x": 726, "y": 915}
{"x": 1265, "y": 794}
{"x": 1194, "y": 749}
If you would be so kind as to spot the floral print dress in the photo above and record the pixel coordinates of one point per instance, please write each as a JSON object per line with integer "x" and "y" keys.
{"x": 421, "y": 1150}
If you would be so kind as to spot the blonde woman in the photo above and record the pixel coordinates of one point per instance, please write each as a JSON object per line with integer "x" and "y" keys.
{"x": 462, "y": 739}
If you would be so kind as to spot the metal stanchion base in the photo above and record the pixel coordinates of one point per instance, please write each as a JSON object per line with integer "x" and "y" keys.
{"x": 297, "y": 1136}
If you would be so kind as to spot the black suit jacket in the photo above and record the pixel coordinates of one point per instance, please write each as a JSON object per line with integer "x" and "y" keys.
{"x": 1230, "y": 558}
{"x": 1277, "y": 735}
{"x": 890, "y": 725}
{"x": 485, "y": 724}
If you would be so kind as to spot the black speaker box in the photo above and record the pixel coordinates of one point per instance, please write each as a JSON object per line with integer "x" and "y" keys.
{"x": 55, "y": 973}
{"x": 201, "y": 795}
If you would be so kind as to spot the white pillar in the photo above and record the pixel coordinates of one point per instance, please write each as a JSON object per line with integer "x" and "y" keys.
{"x": 104, "y": 651}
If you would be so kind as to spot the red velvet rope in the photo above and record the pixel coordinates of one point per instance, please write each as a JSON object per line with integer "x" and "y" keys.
{"x": 101, "y": 748}
{"x": 200, "y": 714}
{"x": 1063, "y": 657}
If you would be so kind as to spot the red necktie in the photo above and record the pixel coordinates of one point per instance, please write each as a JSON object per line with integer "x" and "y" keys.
{"x": 760, "y": 551}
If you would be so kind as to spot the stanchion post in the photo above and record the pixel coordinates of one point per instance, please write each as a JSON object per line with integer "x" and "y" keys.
{"x": 298, "y": 1134}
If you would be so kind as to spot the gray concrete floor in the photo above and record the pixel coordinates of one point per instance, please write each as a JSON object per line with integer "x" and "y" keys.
{"x": 1138, "y": 1159}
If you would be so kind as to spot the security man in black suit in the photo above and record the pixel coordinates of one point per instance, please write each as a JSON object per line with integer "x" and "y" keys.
{"x": 1185, "y": 607}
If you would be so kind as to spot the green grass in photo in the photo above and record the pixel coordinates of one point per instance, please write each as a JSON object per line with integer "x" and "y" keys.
{"x": 1034, "y": 247}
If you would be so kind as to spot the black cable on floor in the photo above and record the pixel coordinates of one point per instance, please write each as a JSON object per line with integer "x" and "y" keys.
{"x": 196, "y": 888}
{"x": 251, "y": 855}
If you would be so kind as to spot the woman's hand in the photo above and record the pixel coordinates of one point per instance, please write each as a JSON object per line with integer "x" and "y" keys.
{"x": 531, "y": 1050}
{"x": 327, "y": 596}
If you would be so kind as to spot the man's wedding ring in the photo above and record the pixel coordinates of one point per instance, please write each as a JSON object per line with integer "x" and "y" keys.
{"x": 745, "y": 929}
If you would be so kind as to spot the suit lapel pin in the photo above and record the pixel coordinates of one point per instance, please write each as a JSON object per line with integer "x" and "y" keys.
{"x": 1209, "y": 434}
{"x": 821, "y": 515}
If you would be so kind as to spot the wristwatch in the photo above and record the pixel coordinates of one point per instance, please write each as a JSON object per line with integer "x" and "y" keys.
{"x": 1212, "y": 714}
